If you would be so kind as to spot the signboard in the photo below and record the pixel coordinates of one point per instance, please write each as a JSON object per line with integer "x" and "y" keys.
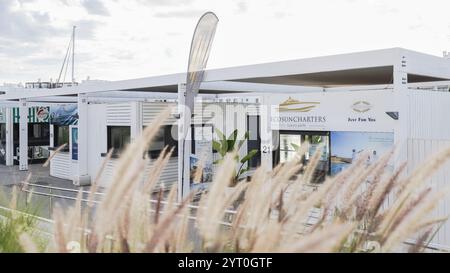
{"x": 201, "y": 185}
{"x": 203, "y": 136}
{"x": 74, "y": 142}
{"x": 64, "y": 115}
{"x": 38, "y": 114}
{"x": 336, "y": 111}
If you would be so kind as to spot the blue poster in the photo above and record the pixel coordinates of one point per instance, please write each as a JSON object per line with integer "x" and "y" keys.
{"x": 64, "y": 115}
{"x": 74, "y": 143}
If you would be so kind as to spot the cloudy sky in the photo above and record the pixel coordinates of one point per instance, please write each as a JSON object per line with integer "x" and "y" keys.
{"x": 120, "y": 39}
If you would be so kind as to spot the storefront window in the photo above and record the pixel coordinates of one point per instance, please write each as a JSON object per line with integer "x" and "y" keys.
{"x": 61, "y": 135}
{"x": 201, "y": 135}
{"x": 39, "y": 131}
{"x": 315, "y": 141}
{"x": 3, "y": 132}
{"x": 38, "y": 134}
{"x": 166, "y": 136}
{"x": 291, "y": 141}
{"x": 2, "y": 143}
{"x": 118, "y": 137}
{"x": 289, "y": 144}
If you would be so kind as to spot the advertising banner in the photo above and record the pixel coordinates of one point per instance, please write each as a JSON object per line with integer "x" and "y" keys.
{"x": 202, "y": 154}
{"x": 347, "y": 146}
{"x": 74, "y": 143}
{"x": 336, "y": 111}
{"x": 64, "y": 115}
{"x": 37, "y": 114}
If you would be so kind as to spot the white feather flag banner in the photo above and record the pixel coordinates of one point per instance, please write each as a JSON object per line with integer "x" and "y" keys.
{"x": 198, "y": 57}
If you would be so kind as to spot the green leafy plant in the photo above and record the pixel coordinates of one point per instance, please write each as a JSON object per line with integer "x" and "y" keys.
{"x": 227, "y": 145}
{"x": 18, "y": 226}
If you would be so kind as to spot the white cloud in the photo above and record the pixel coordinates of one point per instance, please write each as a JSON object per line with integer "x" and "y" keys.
{"x": 95, "y": 7}
{"x": 180, "y": 13}
{"x": 148, "y": 37}
{"x": 19, "y": 25}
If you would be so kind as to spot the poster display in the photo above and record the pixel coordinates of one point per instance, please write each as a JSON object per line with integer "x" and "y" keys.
{"x": 38, "y": 114}
{"x": 74, "y": 143}
{"x": 347, "y": 146}
{"x": 202, "y": 154}
{"x": 64, "y": 115}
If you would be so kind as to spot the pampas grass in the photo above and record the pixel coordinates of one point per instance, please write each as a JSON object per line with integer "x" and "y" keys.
{"x": 279, "y": 210}
{"x": 17, "y": 228}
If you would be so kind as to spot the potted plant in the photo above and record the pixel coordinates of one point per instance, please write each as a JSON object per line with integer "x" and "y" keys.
{"x": 225, "y": 145}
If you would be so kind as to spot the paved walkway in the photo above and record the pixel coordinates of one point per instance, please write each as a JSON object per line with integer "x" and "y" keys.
{"x": 41, "y": 203}
{"x": 10, "y": 175}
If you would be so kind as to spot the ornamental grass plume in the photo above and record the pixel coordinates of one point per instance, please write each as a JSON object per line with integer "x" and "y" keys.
{"x": 279, "y": 210}
{"x": 17, "y": 227}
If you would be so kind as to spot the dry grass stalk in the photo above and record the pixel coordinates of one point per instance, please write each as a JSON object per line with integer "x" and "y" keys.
{"x": 278, "y": 210}
{"x": 49, "y": 159}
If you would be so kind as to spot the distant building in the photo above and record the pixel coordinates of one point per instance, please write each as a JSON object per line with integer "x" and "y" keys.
{"x": 49, "y": 85}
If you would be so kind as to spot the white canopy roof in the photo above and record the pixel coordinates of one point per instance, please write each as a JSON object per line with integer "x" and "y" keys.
{"x": 302, "y": 75}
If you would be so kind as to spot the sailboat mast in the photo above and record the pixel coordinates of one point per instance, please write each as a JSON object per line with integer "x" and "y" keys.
{"x": 73, "y": 55}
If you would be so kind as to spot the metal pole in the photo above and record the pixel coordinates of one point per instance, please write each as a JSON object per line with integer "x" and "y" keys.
{"x": 73, "y": 55}
{"x": 23, "y": 135}
{"x": 198, "y": 57}
{"x": 50, "y": 207}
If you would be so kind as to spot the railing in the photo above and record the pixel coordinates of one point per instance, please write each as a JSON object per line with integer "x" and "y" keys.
{"x": 26, "y": 189}
{"x": 229, "y": 213}
{"x": 46, "y": 229}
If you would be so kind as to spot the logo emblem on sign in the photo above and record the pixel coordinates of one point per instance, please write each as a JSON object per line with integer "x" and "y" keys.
{"x": 293, "y": 105}
{"x": 42, "y": 113}
{"x": 361, "y": 106}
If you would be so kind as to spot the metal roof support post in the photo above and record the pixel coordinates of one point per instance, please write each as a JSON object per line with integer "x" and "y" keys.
{"x": 82, "y": 178}
{"x": 23, "y": 135}
{"x": 136, "y": 120}
{"x": 400, "y": 94}
{"x": 184, "y": 144}
{"x": 265, "y": 113}
{"x": 9, "y": 145}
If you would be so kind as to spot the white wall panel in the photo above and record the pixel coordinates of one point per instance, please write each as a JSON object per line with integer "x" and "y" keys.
{"x": 429, "y": 132}
{"x": 429, "y": 114}
{"x": 97, "y": 137}
{"x": 419, "y": 150}
{"x": 150, "y": 110}
{"x": 169, "y": 175}
{"x": 119, "y": 114}
{"x": 61, "y": 166}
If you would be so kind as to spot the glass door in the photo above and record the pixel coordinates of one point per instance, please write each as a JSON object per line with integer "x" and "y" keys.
{"x": 289, "y": 145}
{"x": 315, "y": 141}
{"x": 291, "y": 141}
